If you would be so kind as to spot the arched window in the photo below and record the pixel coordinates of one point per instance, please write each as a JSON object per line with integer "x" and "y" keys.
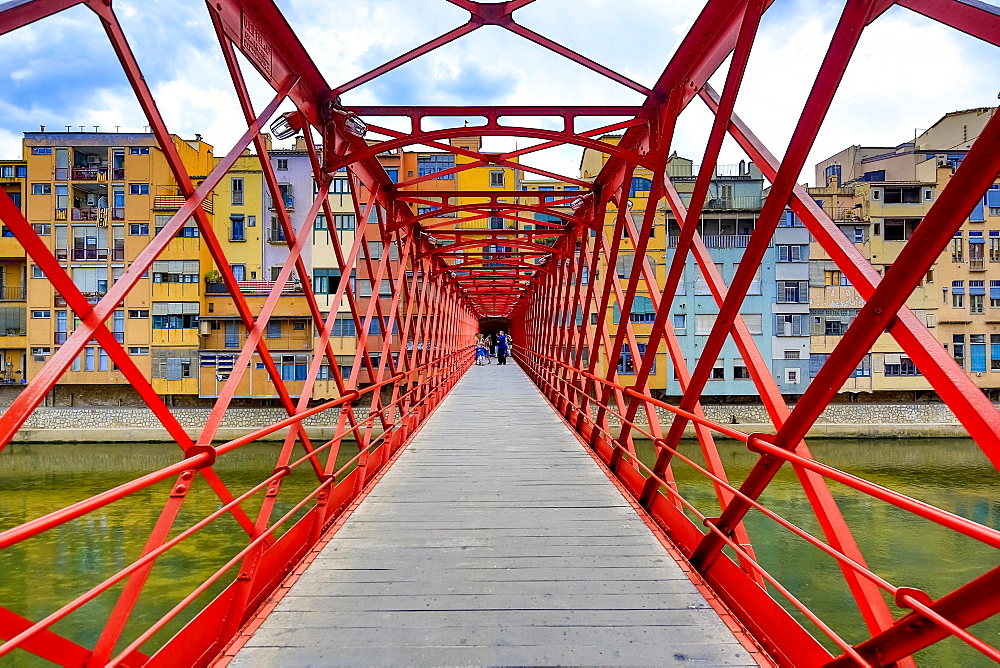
{"x": 624, "y": 264}
{"x": 640, "y": 185}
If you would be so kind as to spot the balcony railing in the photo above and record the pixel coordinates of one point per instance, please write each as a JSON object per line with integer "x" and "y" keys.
{"x": 174, "y": 202}
{"x": 13, "y": 293}
{"x": 844, "y": 213}
{"x": 253, "y": 288}
{"x": 977, "y": 264}
{"x": 289, "y": 203}
{"x": 276, "y": 235}
{"x": 719, "y": 241}
{"x": 741, "y": 202}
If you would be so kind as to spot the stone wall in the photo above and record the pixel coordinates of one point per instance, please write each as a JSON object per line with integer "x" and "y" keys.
{"x": 109, "y": 424}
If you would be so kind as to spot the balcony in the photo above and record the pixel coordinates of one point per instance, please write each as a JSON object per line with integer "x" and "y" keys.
{"x": 13, "y": 293}
{"x": 89, "y": 254}
{"x": 276, "y": 235}
{"x": 174, "y": 202}
{"x": 253, "y": 288}
{"x": 844, "y": 213}
{"x": 719, "y": 241}
{"x": 977, "y": 264}
{"x": 289, "y": 203}
{"x": 735, "y": 202}
{"x": 98, "y": 214}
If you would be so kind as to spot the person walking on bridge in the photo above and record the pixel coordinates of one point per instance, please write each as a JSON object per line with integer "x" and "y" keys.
{"x": 503, "y": 347}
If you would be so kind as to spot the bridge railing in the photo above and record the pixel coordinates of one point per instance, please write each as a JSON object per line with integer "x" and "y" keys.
{"x": 335, "y": 490}
{"x": 564, "y": 385}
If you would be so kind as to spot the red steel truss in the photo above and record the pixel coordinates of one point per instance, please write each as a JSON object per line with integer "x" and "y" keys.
{"x": 443, "y": 283}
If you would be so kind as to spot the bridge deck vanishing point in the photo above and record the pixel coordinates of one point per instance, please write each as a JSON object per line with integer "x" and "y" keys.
{"x": 495, "y": 539}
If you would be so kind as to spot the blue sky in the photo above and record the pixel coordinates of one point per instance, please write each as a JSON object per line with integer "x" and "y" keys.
{"x": 907, "y": 73}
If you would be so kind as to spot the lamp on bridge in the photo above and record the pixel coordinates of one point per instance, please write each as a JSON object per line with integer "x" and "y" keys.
{"x": 287, "y": 125}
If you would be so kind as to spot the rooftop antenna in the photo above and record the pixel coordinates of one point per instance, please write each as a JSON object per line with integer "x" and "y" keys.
{"x": 67, "y": 128}
{"x": 81, "y": 128}
{"x": 116, "y": 128}
{"x": 96, "y": 127}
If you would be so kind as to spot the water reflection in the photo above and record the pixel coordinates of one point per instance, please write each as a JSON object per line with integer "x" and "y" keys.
{"x": 45, "y": 572}
{"x": 48, "y": 571}
{"x": 952, "y": 474}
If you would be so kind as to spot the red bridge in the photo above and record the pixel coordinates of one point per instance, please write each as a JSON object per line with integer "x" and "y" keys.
{"x": 455, "y": 483}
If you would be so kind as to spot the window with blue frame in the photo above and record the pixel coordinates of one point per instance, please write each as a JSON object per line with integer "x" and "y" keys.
{"x": 343, "y": 326}
{"x": 434, "y": 163}
{"x": 977, "y": 353}
{"x": 831, "y": 171}
{"x": 626, "y": 365}
{"x": 393, "y": 174}
{"x": 236, "y": 229}
{"x": 640, "y": 185}
{"x": 642, "y": 310}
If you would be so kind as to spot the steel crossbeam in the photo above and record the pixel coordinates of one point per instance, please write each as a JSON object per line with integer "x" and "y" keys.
{"x": 567, "y": 290}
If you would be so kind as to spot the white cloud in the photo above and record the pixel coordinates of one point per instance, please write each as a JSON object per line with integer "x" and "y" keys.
{"x": 908, "y": 71}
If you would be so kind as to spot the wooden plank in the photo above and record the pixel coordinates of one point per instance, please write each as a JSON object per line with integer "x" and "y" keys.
{"x": 494, "y": 539}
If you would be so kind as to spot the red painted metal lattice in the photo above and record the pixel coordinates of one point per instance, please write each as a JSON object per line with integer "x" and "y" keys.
{"x": 440, "y": 290}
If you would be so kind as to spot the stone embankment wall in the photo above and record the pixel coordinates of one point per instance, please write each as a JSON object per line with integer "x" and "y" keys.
{"x": 842, "y": 420}
{"x": 123, "y": 424}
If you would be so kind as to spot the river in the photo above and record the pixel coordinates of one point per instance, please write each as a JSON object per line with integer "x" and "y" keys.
{"x": 47, "y": 571}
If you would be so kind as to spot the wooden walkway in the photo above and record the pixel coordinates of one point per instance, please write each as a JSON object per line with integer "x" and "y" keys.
{"x": 494, "y": 540}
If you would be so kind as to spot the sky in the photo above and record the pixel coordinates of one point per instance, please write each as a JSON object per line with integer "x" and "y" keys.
{"x": 907, "y": 72}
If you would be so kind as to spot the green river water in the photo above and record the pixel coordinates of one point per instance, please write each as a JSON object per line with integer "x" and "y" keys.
{"x": 39, "y": 575}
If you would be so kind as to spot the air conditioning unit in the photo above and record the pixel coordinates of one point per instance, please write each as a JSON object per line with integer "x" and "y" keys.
{"x": 206, "y": 327}
{"x": 93, "y": 159}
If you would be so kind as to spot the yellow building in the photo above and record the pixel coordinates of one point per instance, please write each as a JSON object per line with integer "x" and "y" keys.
{"x": 878, "y": 197}
{"x": 97, "y": 199}
{"x": 13, "y": 280}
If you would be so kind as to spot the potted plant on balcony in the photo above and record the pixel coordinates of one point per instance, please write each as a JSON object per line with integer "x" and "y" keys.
{"x": 213, "y": 276}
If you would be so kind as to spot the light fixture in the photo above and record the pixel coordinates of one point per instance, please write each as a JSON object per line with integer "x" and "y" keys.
{"x": 354, "y": 125}
{"x": 577, "y": 204}
{"x": 287, "y": 125}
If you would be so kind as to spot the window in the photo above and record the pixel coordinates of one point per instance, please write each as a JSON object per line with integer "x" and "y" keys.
{"x": 994, "y": 246}
{"x": 138, "y": 150}
{"x": 792, "y": 253}
{"x": 902, "y": 195}
{"x": 957, "y": 249}
{"x": 994, "y": 352}
{"x": 831, "y": 322}
{"x": 718, "y": 371}
{"x": 40, "y": 314}
{"x": 897, "y": 364}
{"x": 281, "y": 164}
{"x": 754, "y": 322}
{"x": 292, "y": 367}
{"x": 434, "y": 163}
{"x": 958, "y": 294}
{"x": 343, "y": 326}
{"x": 138, "y": 189}
{"x": 326, "y": 281}
{"x": 236, "y": 229}
{"x": 36, "y": 271}
{"x": 251, "y": 221}
{"x": 977, "y": 353}
{"x": 344, "y": 221}
{"x": 792, "y": 376}
{"x": 41, "y": 188}
{"x": 700, "y": 282}
{"x": 958, "y": 349}
{"x": 833, "y": 277}
{"x": 740, "y": 371}
{"x": 138, "y": 313}
{"x": 640, "y": 185}
{"x": 175, "y": 315}
{"x": 794, "y": 292}
{"x": 977, "y": 296}
{"x": 239, "y": 271}
{"x": 626, "y": 365}
{"x": 703, "y": 323}
{"x": 994, "y": 294}
{"x": 138, "y": 350}
{"x": 496, "y": 222}
{"x": 899, "y": 229}
{"x": 274, "y": 329}
{"x": 175, "y": 271}
{"x": 41, "y": 150}
{"x": 236, "y": 188}
{"x": 792, "y": 354}
{"x": 138, "y": 229}
{"x": 393, "y": 174}
{"x": 680, "y": 321}
{"x": 340, "y": 186}
{"x": 790, "y": 324}
{"x": 496, "y": 179}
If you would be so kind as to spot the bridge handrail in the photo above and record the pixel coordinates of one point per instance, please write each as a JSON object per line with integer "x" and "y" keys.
{"x": 906, "y": 597}
{"x": 206, "y": 457}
